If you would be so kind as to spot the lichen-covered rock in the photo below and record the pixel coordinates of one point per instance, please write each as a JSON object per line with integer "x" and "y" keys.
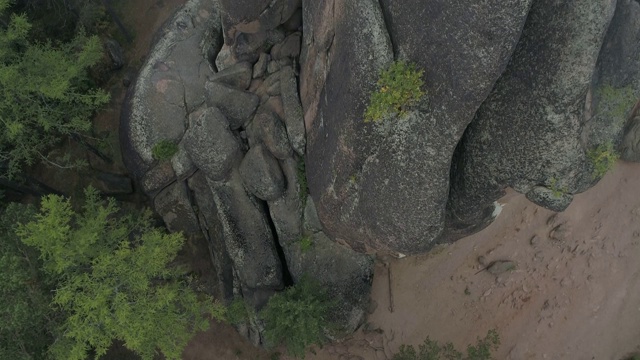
{"x": 268, "y": 129}
{"x": 289, "y": 47}
{"x": 616, "y": 88}
{"x": 345, "y": 273}
{"x": 261, "y": 174}
{"x": 170, "y": 84}
{"x": 384, "y": 186}
{"x": 247, "y": 235}
{"x": 286, "y": 211}
{"x": 260, "y": 66}
{"x": 210, "y": 144}
{"x": 174, "y": 205}
{"x": 158, "y": 177}
{"x": 253, "y": 16}
{"x": 529, "y": 130}
{"x": 555, "y": 200}
{"x": 238, "y": 75}
{"x": 293, "y": 116}
{"x": 236, "y": 104}
{"x": 213, "y": 232}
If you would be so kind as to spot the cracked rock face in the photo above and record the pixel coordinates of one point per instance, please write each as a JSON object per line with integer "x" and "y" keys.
{"x": 519, "y": 93}
{"x": 235, "y": 179}
{"x": 384, "y": 186}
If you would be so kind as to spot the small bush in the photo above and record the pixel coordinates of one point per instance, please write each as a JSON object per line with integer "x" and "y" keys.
{"x": 432, "y": 350}
{"x": 306, "y": 243}
{"x": 297, "y": 317}
{"x": 164, "y": 150}
{"x": 238, "y": 312}
{"x": 302, "y": 181}
{"x": 602, "y": 158}
{"x": 399, "y": 86}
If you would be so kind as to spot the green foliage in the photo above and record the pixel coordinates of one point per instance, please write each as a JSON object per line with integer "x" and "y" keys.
{"x": 24, "y": 293}
{"x": 302, "y": 181}
{"x": 45, "y": 92}
{"x": 399, "y": 87}
{"x": 556, "y": 189}
{"x": 305, "y": 243}
{"x": 602, "y": 158}
{"x": 164, "y": 150}
{"x": 239, "y": 312}
{"x": 432, "y": 350}
{"x": 617, "y": 103}
{"x": 297, "y": 317}
{"x": 114, "y": 280}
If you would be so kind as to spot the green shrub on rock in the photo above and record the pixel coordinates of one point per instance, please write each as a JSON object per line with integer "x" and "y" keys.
{"x": 297, "y": 317}
{"x": 164, "y": 150}
{"x": 399, "y": 87}
{"x": 602, "y": 158}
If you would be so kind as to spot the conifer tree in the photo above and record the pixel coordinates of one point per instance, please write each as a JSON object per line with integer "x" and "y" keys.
{"x": 45, "y": 91}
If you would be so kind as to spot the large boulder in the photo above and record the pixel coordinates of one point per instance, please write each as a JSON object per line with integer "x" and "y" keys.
{"x": 617, "y": 82}
{"x": 174, "y": 205}
{"x": 170, "y": 84}
{"x": 261, "y": 174}
{"x": 385, "y": 185}
{"x": 214, "y": 157}
{"x": 345, "y": 273}
{"x": 528, "y": 133}
{"x": 213, "y": 232}
{"x": 236, "y": 104}
{"x": 253, "y": 16}
{"x": 248, "y": 239}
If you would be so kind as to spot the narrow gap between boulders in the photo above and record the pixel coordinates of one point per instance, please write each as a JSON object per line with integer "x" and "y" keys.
{"x": 287, "y": 279}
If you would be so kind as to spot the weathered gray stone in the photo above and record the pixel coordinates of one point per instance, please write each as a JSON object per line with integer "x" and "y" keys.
{"x": 114, "y": 50}
{"x": 616, "y": 89}
{"x": 631, "y": 143}
{"x": 289, "y": 47}
{"x": 553, "y": 200}
{"x": 170, "y": 83}
{"x": 237, "y": 75}
{"x": 269, "y": 87}
{"x": 213, "y": 232}
{"x": 181, "y": 163}
{"x": 261, "y": 65}
{"x": 253, "y": 16}
{"x": 225, "y": 58}
{"x": 273, "y": 66}
{"x": 236, "y": 104}
{"x": 210, "y": 144}
{"x": 293, "y": 115}
{"x": 286, "y": 211}
{"x": 311, "y": 222}
{"x": 247, "y": 235}
{"x": 295, "y": 21}
{"x": 345, "y": 273}
{"x": 157, "y": 177}
{"x": 261, "y": 174}
{"x": 529, "y": 130}
{"x": 174, "y": 205}
{"x": 384, "y": 186}
{"x": 268, "y": 129}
